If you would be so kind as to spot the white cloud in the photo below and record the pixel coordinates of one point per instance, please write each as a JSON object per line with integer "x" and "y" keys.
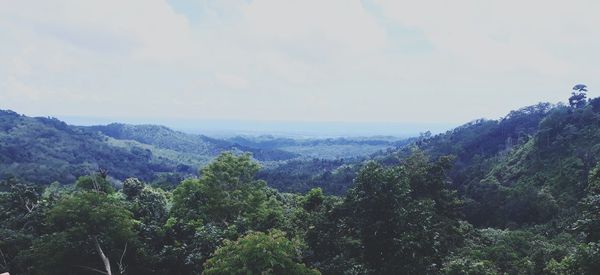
{"x": 503, "y": 35}
{"x": 232, "y": 81}
{"x": 148, "y": 28}
{"x": 382, "y": 60}
{"x": 314, "y": 27}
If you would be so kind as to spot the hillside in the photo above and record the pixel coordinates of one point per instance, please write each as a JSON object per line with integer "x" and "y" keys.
{"x": 44, "y": 150}
{"x": 325, "y": 148}
{"x": 477, "y": 147}
{"x": 529, "y": 167}
{"x": 517, "y": 195}
{"x": 546, "y": 175}
{"x": 165, "y": 138}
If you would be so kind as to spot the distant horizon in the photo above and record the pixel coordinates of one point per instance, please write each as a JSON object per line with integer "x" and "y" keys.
{"x": 297, "y": 129}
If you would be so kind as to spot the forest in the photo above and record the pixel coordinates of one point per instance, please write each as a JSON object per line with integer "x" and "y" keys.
{"x": 517, "y": 195}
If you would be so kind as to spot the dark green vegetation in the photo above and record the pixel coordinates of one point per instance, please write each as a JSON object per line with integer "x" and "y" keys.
{"x": 519, "y": 195}
{"x": 333, "y": 176}
{"x": 228, "y": 222}
{"x": 45, "y": 150}
{"x": 191, "y": 146}
{"x": 328, "y": 149}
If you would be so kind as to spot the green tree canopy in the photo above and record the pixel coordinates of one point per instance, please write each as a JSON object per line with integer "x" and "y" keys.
{"x": 404, "y": 217}
{"x": 84, "y": 230}
{"x": 225, "y": 202}
{"x": 95, "y": 182}
{"x": 258, "y": 253}
{"x": 227, "y": 193}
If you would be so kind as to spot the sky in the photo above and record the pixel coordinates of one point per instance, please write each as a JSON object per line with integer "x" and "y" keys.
{"x": 385, "y": 61}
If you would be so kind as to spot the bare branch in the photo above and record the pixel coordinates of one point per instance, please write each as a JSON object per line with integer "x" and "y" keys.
{"x": 5, "y": 265}
{"x": 122, "y": 267}
{"x": 102, "y": 256}
{"x": 30, "y": 206}
{"x": 91, "y": 268}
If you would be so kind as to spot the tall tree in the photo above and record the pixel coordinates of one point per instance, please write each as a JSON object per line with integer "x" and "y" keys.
{"x": 87, "y": 232}
{"x": 224, "y": 203}
{"x": 405, "y": 217}
{"x": 578, "y": 96}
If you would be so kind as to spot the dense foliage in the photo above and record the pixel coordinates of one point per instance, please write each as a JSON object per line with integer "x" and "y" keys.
{"x": 333, "y": 176}
{"x": 326, "y": 149}
{"x": 198, "y": 145}
{"x": 519, "y": 195}
{"x": 228, "y": 222}
{"x": 257, "y": 253}
{"x": 45, "y": 150}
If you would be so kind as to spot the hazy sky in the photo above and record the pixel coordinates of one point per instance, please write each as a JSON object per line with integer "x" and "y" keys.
{"x": 309, "y": 60}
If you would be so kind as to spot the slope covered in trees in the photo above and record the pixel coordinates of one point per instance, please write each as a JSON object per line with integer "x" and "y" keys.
{"x": 228, "y": 222}
{"x": 525, "y": 168}
{"x": 194, "y": 145}
{"x": 324, "y": 148}
{"x": 519, "y": 195}
{"x": 43, "y": 150}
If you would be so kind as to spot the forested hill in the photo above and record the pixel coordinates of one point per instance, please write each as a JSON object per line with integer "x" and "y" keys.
{"x": 324, "y": 148}
{"x": 529, "y": 167}
{"x": 518, "y": 195}
{"x": 476, "y": 146}
{"x": 165, "y": 138}
{"x": 44, "y": 150}
{"x": 481, "y": 149}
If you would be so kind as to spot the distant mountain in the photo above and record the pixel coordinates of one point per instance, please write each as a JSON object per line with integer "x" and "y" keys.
{"x": 165, "y": 138}
{"x": 522, "y": 195}
{"x": 43, "y": 150}
{"x": 325, "y": 148}
{"x": 529, "y": 167}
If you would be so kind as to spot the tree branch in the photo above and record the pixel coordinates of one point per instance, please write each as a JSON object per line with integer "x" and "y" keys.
{"x": 121, "y": 266}
{"x": 5, "y": 265}
{"x": 102, "y": 256}
{"x": 91, "y": 268}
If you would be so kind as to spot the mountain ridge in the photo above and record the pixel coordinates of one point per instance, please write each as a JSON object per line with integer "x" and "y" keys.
{"x": 33, "y": 146}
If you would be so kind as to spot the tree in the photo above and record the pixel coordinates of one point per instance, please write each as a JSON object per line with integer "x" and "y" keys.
{"x": 578, "y": 96}
{"x": 589, "y": 222}
{"x": 19, "y": 206}
{"x": 585, "y": 259}
{"x": 21, "y": 214}
{"x": 95, "y": 182}
{"x": 150, "y": 209}
{"x": 313, "y": 199}
{"x": 225, "y": 202}
{"x": 404, "y": 217}
{"x": 85, "y": 229}
{"x": 258, "y": 253}
{"x": 132, "y": 187}
{"x": 227, "y": 193}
